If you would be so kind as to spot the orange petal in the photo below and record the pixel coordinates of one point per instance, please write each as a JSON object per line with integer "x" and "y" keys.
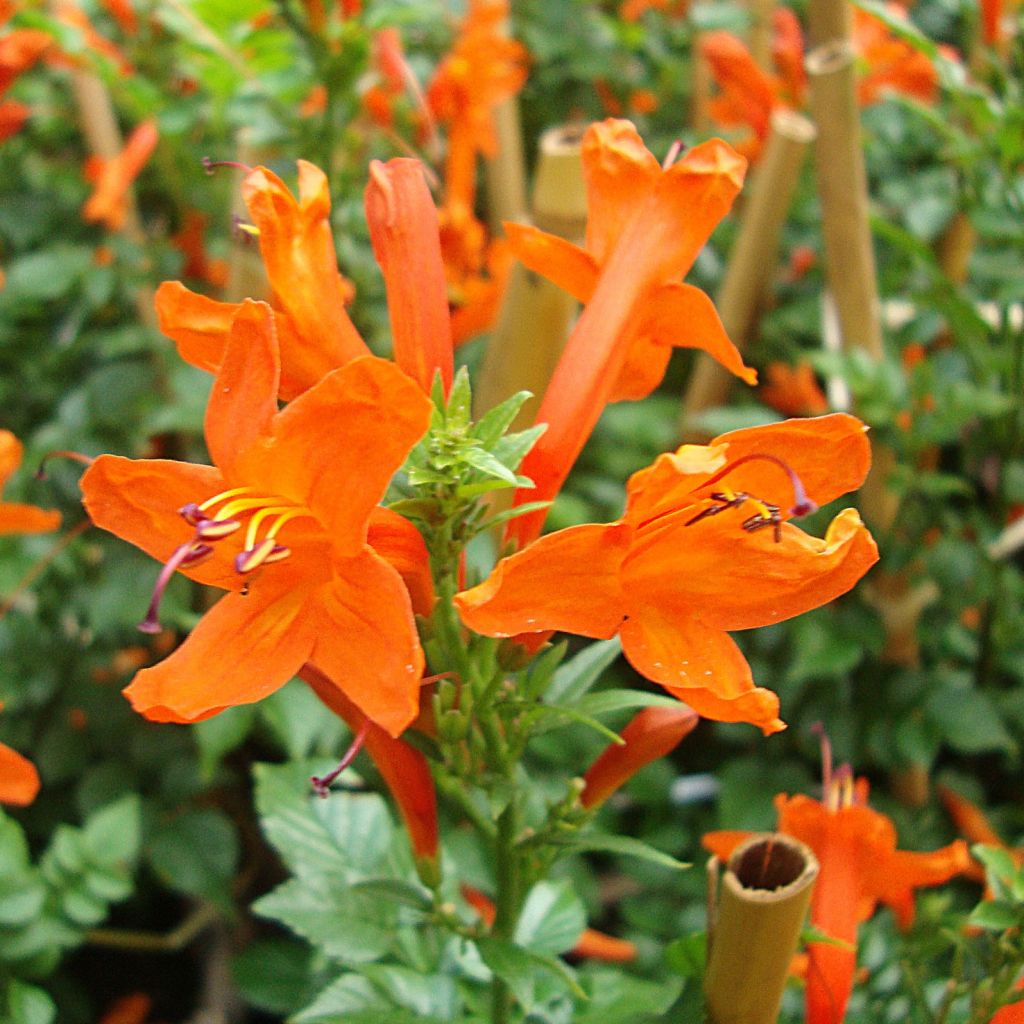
{"x": 701, "y": 666}
{"x": 595, "y": 945}
{"x": 17, "y": 518}
{"x": 723, "y": 842}
{"x": 11, "y": 451}
{"x": 19, "y": 780}
{"x": 650, "y": 734}
{"x": 969, "y": 819}
{"x": 732, "y": 579}
{"x": 404, "y": 769}
{"x": 573, "y": 269}
{"x": 198, "y": 325}
{"x": 396, "y": 540}
{"x": 298, "y": 250}
{"x": 619, "y": 173}
{"x": 138, "y": 501}
{"x": 906, "y": 870}
{"x": 108, "y": 201}
{"x": 404, "y": 232}
{"x": 374, "y": 414}
{"x": 13, "y": 116}
{"x": 19, "y": 50}
{"x": 366, "y": 640}
{"x": 243, "y": 399}
{"x": 568, "y": 581}
{"x": 243, "y": 649}
{"x": 745, "y": 86}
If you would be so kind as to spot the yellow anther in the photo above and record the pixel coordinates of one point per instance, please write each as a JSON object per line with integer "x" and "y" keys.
{"x": 223, "y": 496}
{"x": 729, "y": 493}
{"x": 761, "y": 507}
{"x": 255, "y": 557}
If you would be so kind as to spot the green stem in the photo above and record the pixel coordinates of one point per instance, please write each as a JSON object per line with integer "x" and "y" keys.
{"x": 506, "y": 900}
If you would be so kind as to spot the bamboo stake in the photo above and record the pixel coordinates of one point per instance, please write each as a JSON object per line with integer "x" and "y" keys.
{"x": 700, "y": 99}
{"x": 842, "y": 185}
{"x": 761, "y": 12}
{"x": 827, "y": 21}
{"x": 246, "y": 277}
{"x": 506, "y": 171}
{"x": 754, "y": 929}
{"x": 536, "y": 314}
{"x": 956, "y": 246}
{"x": 752, "y": 261}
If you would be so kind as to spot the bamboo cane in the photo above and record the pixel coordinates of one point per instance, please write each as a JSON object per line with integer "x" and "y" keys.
{"x": 506, "y": 172}
{"x": 754, "y": 927}
{"x": 761, "y": 12}
{"x": 956, "y": 246}
{"x": 700, "y": 98}
{"x": 752, "y": 261}
{"x": 536, "y": 314}
{"x": 246, "y": 277}
{"x": 827, "y": 21}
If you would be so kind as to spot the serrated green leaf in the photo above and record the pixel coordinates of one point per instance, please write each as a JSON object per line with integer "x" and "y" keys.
{"x": 396, "y": 891}
{"x": 517, "y": 967}
{"x": 513, "y": 448}
{"x": 552, "y": 918}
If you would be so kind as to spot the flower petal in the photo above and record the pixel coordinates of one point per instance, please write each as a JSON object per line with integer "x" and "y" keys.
{"x": 568, "y": 581}
{"x": 894, "y": 882}
{"x": 397, "y": 541}
{"x": 723, "y": 842}
{"x": 243, "y": 399}
{"x": 18, "y": 518}
{"x": 733, "y": 579}
{"x": 19, "y": 780}
{"x": 367, "y": 642}
{"x": 336, "y": 447}
{"x": 138, "y": 501}
{"x": 298, "y": 250}
{"x": 571, "y": 268}
{"x": 701, "y": 666}
{"x": 404, "y": 231}
{"x": 244, "y": 648}
{"x": 11, "y": 451}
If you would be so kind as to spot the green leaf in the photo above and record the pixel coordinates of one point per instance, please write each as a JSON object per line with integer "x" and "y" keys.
{"x": 995, "y": 915}
{"x": 518, "y": 967}
{"x": 485, "y": 462}
{"x": 620, "y": 999}
{"x": 577, "y": 676}
{"x": 607, "y": 701}
{"x": 968, "y": 719}
{"x": 196, "y": 853}
{"x": 218, "y": 736}
{"x": 27, "y": 1004}
{"x": 493, "y": 424}
{"x": 396, "y": 891}
{"x": 344, "y": 1000}
{"x": 274, "y": 974}
{"x": 513, "y": 448}
{"x": 299, "y": 720}
{"x": 624, "y": 846}
{"x": 425, "y": 995}
{"x": 112, "y": 834}
{"x": 688, "y": 955}
{"x": 552, "y": 918}
{"x": 460, "y": 401}
{"x": 346, "y": 926}
{"x": 21, "y": 898}
{"x": 546, "y": 718}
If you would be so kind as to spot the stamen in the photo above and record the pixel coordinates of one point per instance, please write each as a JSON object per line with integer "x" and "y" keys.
{"x": 215, "y": 529}
{"x": 818, "y": 728}
{"x": 233, "y": 508}
{"x": 672, "y": 155}
{"x": 253, "y": 558}
{"x": 243, "y": 230}
{"x": 223, "y": 496}
{"x": 802, "y": 505}
{"x": 179, "y": 557}
{"x": 322, "y": 783}
{"x": 61, "y": 453}
{"x": 257, "y": 519}
{"x": 210, "y": 165}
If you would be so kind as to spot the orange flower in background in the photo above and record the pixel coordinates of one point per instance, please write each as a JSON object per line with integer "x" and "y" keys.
{"x": 793, "y": 390}
{"x": 13, "y": 116}
{"x": 633, "y": 10}
{"x": 19, "y": 780}
{"x": 112, "y": 178}
{"x": 73, "y": 16}
{"x": 591, "y": 945}
{"x": 15, "y": 517}
{"x": 975, "y": 827}
{"x": 688, "y": 563}
{"x": 124, "y": 14}
{"x": 309, "y": 294}
{"x": 190, "y": 241}
{"x": 650, "y": 734}
{"x": 406, "y": 243}
{"x": 19, "y": 50}
{"x": 483, "y": 68}
{"x": 403, "y": 768}
{"x": 305, "y": 501}
{"x": 133, "y": 1008}
{"x": 860, "y": 867}
{"x": 645, "y": 227}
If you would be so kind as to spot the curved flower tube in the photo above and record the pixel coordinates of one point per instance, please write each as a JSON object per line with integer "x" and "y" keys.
{"x": 687, "y": 562}
{"x": 650, "y": 734}
{"x": 108, "y": 203}
{"x": 645, "y": 227}
{"x": 282, "y": 521}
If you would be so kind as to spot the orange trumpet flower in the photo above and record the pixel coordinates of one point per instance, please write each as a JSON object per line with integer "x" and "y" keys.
{"x": 591, "y": 945}
{"x": 793, "y": 390}
{"x": 972, "y": 823}
{"x": 687, "y": 562}
{"x": 19, "y": 780}
{"x": 645, "y": 227}
{"x": 650, "y": 734}
{"x": 406, "y": 243}
{"x": 19, "y": 50}
{"x": 483, "y": 69}
{"x": 306, "y": 583}
{"x": 309, "y": 294}
{"x": 860, "y": 867}
{"x": 634, "y": 10}
{"x": 15, "y": 517}
{"x": 112, "y": 178}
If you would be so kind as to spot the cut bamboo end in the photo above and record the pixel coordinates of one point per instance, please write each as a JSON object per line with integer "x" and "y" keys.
{"x": 755, "y": 926}
{"x": 842, "y": 186}
{"x": 753, "y": 258}
{"x": 535, "y": 314}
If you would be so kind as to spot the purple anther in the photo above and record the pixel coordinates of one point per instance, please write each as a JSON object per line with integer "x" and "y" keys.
{"x": 192, "y": 514}
{"x": 199, "y": 554}
{"x": 150, "y": 624}
{"x": 278, "y": 553}
{"x": 802, "y": 505}
{"x": 253, "y": 558}
{"x": 214, "y": 529}
{"x": 322, "y": 783}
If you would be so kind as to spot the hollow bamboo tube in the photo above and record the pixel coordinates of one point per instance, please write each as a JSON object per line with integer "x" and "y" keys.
{"x": 842, "y": 186}
{"x": 754, "y": 927}
{"x": 536, "y": 315}
{"x": 955, "y": 247}
{"x": 827, "y": 21}
{"x": 752, "y": 261}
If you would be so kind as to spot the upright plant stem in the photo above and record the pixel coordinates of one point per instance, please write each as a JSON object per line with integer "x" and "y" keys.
{"x": 506, "y": 899}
